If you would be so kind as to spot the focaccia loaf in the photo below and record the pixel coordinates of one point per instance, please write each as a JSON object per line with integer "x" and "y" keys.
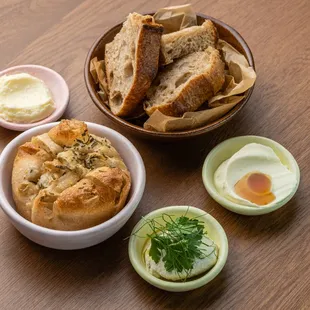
{"x": 69, "y": 179}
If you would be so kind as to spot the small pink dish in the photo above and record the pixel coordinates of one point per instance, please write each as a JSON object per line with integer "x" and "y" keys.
{"x": 56, "y": 84}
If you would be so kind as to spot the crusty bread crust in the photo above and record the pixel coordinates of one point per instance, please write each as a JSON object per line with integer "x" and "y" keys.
{"x": 145, "y": 68}
{"x": 78, "y": 183}
{"x": 27, "y": 169}
{"x": 91, "y": 201}
{"x": 68, "y": 131}
{"x": 195, "y": 91}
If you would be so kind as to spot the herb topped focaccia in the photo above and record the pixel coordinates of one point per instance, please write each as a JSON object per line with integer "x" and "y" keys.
{"x": 69, "y": 179}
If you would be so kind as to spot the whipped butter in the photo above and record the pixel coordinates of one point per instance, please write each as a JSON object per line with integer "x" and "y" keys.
{"x": 24, "y": 98}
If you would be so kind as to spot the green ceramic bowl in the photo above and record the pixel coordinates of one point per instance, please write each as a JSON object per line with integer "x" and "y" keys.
{"x": 137, "y": 244}
{"x": 228, "y": 148}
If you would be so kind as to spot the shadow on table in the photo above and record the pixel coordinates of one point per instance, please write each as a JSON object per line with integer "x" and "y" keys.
{"x": 190, "y": 153}
{"x": 201, "y": 297}
{"x": 272, "y": 224}
{"x": 100, "y": 260}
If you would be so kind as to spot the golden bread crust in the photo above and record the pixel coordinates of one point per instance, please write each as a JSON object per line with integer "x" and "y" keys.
{"x": 27, "y": 169}
{"x": 68, "y": 131}
{"x": 196, "y": 91}
{"x": 78, "y": 183}
{"x": 91, "y": 201}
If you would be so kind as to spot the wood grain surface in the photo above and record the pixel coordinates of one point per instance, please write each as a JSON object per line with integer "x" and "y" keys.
{"x": 268, "y": 265}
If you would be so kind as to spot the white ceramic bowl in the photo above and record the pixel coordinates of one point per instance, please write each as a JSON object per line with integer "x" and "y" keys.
{"x": 67, "y": 240}
{"x": 56, "y": 84}
{"x": 228, "y": 148}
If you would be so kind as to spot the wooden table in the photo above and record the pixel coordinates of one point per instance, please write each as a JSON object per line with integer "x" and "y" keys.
{"x": 268, "y": 265}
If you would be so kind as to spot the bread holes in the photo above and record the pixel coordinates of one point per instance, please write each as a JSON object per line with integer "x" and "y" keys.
{"x": 111, "y": 77}
{"x": 128, "y": 69}
{"x": 182, "y": 79}
{"x": 117, "y": 99}
{"x": 162, "y": 87}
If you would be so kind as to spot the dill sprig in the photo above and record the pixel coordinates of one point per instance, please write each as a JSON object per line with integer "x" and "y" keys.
{"x": 178, "y": 242}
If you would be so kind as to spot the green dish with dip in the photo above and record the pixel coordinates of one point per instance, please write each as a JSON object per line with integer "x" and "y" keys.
{"x": 214, "y": 236}
{"x": 279, "y": 162}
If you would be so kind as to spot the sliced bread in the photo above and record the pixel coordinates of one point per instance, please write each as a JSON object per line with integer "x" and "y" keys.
{"x": 186, "y": 84}
{"x": 131, "y": 62}
{"x": 186, "y": 41}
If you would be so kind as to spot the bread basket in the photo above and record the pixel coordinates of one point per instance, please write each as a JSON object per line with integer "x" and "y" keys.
{"x": 226, "y": 33}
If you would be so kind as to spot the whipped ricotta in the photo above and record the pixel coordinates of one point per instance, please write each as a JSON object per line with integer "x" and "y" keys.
{"x": 254, "y": 158}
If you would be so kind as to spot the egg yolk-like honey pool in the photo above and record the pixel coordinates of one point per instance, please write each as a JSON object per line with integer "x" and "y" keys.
{"x": 255, "y": 187}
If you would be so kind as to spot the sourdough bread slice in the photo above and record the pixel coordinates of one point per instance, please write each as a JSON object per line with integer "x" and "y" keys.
{"x": 186, "y": 41}
{"x": 131, "y": 62}
{"x": 186, "y": 84}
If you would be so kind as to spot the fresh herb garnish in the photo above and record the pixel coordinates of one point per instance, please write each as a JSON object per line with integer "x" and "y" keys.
{"x": 178, "y": 242}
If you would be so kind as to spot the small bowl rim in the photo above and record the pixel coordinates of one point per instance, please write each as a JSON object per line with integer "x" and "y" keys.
{"x": 190, "y": 284}
{"x": 238, "y": 208}
{"x": 10, "y": 211}
{"x": 57, "y": 113}
{"x": 177, "y": 134}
